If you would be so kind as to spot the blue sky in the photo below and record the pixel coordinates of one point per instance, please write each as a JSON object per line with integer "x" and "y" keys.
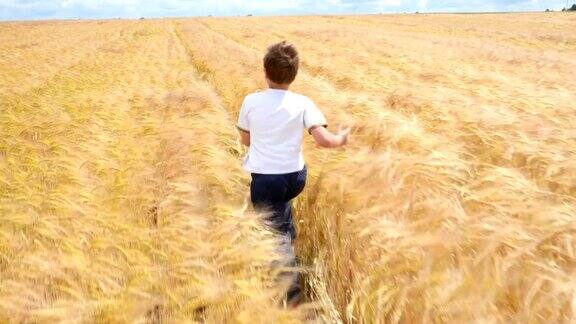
{"x": 50, "y": 9}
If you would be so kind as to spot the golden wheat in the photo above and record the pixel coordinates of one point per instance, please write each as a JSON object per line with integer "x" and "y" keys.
{"x": 112, "y": 209}
{"x": 122, "y": 197}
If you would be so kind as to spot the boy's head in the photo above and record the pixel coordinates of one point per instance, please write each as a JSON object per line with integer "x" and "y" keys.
{"x": 281, "y": 63}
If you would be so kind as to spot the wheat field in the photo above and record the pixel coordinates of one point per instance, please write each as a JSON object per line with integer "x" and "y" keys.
{"x": 122, "y": 197}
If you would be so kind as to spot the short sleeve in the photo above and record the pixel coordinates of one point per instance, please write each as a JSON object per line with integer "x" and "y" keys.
{"x": 313, "y": 116}
{"x": 243, "y": 123}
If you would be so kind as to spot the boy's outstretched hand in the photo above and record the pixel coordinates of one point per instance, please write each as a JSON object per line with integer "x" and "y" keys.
{"x": 325, "y": 138}
{"x": 344, "y": 133}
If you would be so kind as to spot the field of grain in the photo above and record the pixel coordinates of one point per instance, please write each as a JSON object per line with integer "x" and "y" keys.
{"x": 122, "y": 196}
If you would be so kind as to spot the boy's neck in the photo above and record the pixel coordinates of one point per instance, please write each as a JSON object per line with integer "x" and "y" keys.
{"x": 278, "y": 86}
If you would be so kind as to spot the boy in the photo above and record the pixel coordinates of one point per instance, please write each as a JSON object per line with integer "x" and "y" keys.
{"x": 272, "y": 124}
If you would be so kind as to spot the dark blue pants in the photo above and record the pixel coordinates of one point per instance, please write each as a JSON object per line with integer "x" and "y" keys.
{"x": 274, "y": 193}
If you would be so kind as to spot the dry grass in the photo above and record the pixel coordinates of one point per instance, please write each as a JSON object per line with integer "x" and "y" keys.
{"x": 122, "y": 196}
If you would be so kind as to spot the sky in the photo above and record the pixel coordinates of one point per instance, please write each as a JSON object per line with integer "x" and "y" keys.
{"x": 71, "y": 9}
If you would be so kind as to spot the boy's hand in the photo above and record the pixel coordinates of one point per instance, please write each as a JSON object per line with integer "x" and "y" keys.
{"x": 344, "y": 134}
{"x": 324, "y": 138}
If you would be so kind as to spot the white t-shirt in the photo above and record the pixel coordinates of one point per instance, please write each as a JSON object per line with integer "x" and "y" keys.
{"x": 276, "y": 120}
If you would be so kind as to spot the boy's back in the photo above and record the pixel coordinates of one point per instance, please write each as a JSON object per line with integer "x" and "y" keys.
{"x": 276, "y": 120}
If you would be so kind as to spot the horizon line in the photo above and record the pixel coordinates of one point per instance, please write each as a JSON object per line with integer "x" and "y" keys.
{"x": 285, "y": 15}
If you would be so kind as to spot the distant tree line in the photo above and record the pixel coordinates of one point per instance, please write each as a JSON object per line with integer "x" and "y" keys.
{"x": 573, "y": 8}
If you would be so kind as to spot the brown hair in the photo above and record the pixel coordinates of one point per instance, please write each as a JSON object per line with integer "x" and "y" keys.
{"x": 281, "y": 63}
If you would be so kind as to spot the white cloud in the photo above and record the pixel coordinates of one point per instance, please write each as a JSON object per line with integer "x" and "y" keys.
{"x": 391, "y": 3}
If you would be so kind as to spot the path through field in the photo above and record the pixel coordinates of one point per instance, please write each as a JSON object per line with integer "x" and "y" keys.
{"x": 122, "y": 196}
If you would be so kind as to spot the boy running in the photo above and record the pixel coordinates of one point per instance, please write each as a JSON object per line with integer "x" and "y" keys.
{"x": 272, "y": 124}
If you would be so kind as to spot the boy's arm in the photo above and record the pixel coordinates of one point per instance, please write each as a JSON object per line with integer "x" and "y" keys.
{"x": 315, "y": 122}
{"x": 244, "y": 136}
{"x": 243, "y": 124}
{"x": 325, "y": 138}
